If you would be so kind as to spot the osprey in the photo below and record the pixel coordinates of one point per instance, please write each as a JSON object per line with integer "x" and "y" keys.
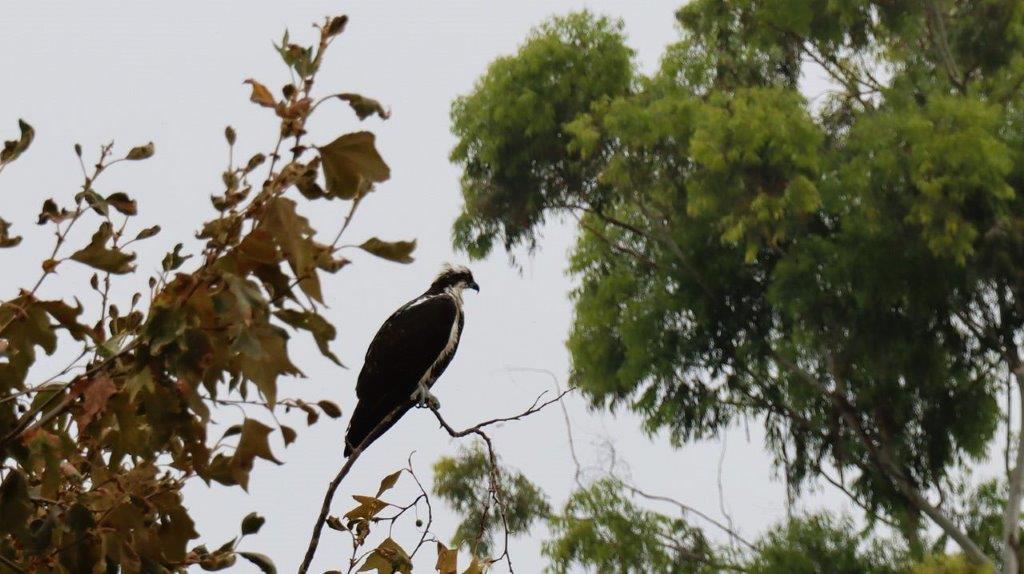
{"x": 408, "y": 354}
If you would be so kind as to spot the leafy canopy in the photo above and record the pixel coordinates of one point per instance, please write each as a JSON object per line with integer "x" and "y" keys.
{"x": 844, "y": 270}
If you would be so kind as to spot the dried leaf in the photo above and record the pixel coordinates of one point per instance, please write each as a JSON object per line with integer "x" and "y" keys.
{"x": 388, "y": 482}
{"x": 447, "y": 559}
{"x": 475, "y": 567}
{"x": 252, "y": 523}
{"x": 351, "y": 165}
{"x": 330, "y": 409}
{"x": 397, "y": 251}
{"x": 368, "y": 507}
{"x": 97, "y": 255}
{"x": 387, "y": 558}
{"x": 141, "y": 152}
{"x": 96, "y": 393}
{"x": 260, "y": 94}
{"x": 365, "y": 107}
{"x": 6, "y": 239}
{"x": 262, "y": 561}
{"x": 14, "y": 148}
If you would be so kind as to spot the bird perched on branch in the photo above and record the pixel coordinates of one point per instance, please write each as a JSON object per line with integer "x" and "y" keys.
{"x": 408, "y": 354}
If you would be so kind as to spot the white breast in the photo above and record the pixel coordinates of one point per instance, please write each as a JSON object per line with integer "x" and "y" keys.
{"x": 453, "y": 338}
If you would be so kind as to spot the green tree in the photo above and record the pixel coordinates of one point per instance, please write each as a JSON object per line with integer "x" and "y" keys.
{"x": 93, "y": 458}
{"x": 845, "y": 271}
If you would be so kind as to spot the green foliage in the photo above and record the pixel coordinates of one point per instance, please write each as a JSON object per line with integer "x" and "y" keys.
{"x": 823, "y": 543}
{"x": 602, "y": 530}
{"x": 509, "y": 501}
{"x": 93, "y": 459}
{"x": 511, "y": 128}
{"x": 844, "y": 271}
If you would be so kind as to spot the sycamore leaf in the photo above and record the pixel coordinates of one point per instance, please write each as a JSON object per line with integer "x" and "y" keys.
{"x": 262, "y": 561}
{"x": 447, "y": 559}
{"x": 397, "y": 251}
{"x": 351, "y": 165}
{"x": 260, "y": 94}
{"x": 14, "y": 148}
{"x": 330, "y": 409}
{"x": 475, "y": 567}
{"x": 387, "y": 558}
{"x": 252, "y": 523}
{"x": 288, "y": 434}
{"x": 141, "y": 152}
{"x": 253, "y": 443}
{"x": 365, "y": 107}
{"x": 15, "y": 505}
{"x": 368, "y": 507}
{"x": 147, "y": 233}
{"x": 6, "y": 239}
{"x": 336, "y": 25}
{"x": 120, "y": 201}
{"x": 388, "y": 482}
{"x": 97, "y": 255}
{"x": 95, "y": 395}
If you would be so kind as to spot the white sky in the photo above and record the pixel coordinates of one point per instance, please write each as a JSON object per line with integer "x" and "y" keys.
{"x": 172, "y": 72}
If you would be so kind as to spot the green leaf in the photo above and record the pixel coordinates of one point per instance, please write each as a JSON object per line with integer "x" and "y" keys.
{"x": 397, "y": 251}
{"x": 351, "y": 165}
{"x": 262, "y": 561}
{"x": 252, "y": 523}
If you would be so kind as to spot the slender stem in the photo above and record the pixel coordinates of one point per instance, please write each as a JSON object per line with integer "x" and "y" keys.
{"x": 325, "y": 508}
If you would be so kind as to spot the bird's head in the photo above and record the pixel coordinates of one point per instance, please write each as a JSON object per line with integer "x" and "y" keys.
{"x": 454, "y": 278}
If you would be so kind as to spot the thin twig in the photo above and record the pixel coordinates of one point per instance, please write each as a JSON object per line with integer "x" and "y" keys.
{"x": 325, "y": 508}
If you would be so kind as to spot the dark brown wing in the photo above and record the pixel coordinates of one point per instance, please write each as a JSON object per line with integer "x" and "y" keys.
{"x": 404, "y": 348}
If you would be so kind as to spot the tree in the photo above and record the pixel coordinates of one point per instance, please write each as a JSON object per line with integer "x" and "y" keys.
{"x": 845, "y": 271}
{"x": 94, "y": 457}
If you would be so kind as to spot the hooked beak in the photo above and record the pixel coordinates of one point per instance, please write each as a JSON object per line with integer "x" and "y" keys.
{"x": 472, "y": 285}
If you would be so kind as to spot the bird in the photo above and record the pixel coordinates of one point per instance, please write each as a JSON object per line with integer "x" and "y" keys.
{"x": 407, "y": 355}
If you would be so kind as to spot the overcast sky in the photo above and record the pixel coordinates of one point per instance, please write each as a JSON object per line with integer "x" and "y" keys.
{"x": 172, "y": 72}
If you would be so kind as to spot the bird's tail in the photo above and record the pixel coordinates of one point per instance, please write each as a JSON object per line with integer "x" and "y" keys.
{"x": 365, "y": 419}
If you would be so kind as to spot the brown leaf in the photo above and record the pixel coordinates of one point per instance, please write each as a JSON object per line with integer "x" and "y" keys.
{"x": 141, "y": 152}
{"x": 351, "y": 164}
{"x": 475, "y": 567}
{"x": 97, "y": 255}
{"x": 387, "y": 558}
{"x": 388, "y": 482}
{"x": 397, "y": 251}
{"x": 260, "y": 94}
{"x": 368, "y": 507}
{"x": 14, "y": 148}
{"x": 447, "y": 559}
{"x": 96, "y": 393}
{"x": 253, "y": 443}
{"x": 365, "y": 107}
